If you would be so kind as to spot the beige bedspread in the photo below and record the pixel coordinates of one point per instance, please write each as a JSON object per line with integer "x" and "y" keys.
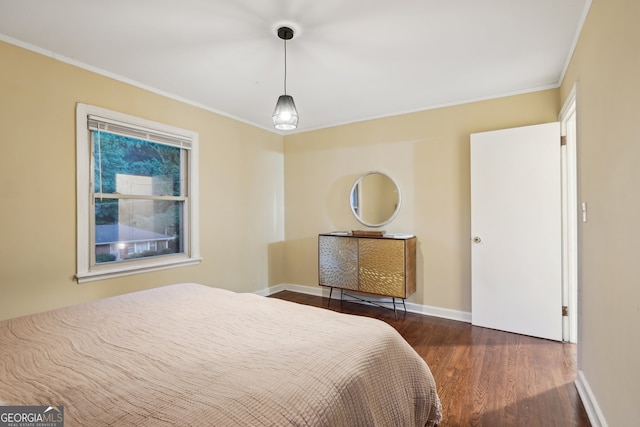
{"x": 190, "y": 355}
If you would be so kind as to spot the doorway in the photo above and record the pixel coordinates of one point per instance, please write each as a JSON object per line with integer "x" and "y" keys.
{"x": 509, "y": 310}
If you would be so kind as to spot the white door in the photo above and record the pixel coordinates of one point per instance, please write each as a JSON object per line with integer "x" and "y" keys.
{"x": 516, "y": 246}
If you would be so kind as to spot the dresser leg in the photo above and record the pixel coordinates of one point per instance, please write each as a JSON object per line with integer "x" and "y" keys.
{"x": 330, "y": 292}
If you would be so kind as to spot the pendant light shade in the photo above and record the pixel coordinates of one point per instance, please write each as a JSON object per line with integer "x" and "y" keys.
{"x": 285, "y": 115}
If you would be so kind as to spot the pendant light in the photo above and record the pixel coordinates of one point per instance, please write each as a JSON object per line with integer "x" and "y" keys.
{"x": 285, "y": 115}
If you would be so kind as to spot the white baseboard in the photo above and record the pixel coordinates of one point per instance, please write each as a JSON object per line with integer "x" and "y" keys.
{"x": 270, "y": 291}
{"x": 445, "y": 313}
{"x": 427, "y": 310}
{"x": 596, "y": 418}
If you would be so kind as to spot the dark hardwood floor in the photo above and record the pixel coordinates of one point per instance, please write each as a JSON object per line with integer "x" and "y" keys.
{"x": 484, "y": 377}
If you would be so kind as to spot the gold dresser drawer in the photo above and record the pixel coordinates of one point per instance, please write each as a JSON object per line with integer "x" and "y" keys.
{"x": 382, "y": 267}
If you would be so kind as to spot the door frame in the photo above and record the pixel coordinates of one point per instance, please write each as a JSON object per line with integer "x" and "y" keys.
{"x": 570, "y": 215}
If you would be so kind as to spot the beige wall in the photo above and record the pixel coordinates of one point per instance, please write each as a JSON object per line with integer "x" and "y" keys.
{"x": 241, "y": 188}
{"x": 606, "y": 67}
{"x": 427, "y": 153}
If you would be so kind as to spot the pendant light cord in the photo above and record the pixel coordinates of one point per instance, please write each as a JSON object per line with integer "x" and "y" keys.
{"x": 285, "y": 66}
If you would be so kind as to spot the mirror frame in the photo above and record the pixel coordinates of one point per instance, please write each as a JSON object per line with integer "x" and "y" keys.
{"x": 353, "y": 208}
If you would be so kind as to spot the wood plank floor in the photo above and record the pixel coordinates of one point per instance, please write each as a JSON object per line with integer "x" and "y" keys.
{"x": 484, "y": 377}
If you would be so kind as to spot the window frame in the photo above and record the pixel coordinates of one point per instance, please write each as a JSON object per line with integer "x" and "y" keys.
{"x": 88, "y": 271}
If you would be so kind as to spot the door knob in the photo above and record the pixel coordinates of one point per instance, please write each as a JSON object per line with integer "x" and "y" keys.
{"x": 477, "y": 239}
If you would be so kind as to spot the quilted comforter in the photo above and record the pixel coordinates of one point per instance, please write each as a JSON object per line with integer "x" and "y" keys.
{"x": 192, "y": 355}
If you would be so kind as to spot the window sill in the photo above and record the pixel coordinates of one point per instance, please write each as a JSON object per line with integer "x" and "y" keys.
{"x": 104, "y": 273}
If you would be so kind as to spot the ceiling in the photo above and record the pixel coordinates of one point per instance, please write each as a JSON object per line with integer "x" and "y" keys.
{"x": 350, "y": 60}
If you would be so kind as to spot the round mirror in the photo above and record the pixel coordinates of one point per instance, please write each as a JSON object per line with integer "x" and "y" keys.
{"x": 375, "y": 199}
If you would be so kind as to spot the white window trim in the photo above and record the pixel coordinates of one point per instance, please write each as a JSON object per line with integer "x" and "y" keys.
{"x": 85, "y": 271}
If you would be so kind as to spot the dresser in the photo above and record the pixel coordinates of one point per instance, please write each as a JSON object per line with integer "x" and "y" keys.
{"x": 384, "y": 266}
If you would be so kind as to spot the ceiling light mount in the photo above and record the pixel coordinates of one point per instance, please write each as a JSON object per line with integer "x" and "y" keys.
{"x": 285, "y": 33}
{"x": 285, "y": 115}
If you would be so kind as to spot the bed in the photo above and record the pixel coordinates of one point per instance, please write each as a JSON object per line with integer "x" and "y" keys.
{"x": 189, "y": 354}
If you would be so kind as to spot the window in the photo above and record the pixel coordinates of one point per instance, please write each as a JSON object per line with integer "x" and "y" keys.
{"x": 137, "y": 195}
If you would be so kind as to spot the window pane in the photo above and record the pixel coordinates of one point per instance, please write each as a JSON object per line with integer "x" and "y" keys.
{"x": 132, "y": 166}
{"x": 129, "y": 229}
